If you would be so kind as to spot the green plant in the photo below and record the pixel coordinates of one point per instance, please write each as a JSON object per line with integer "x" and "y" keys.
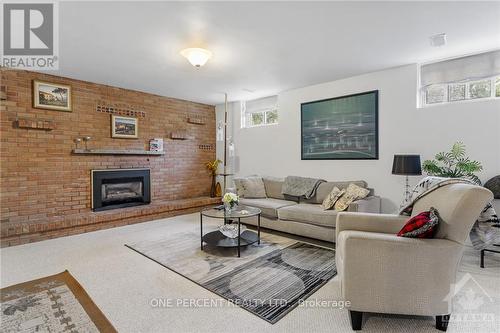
{"x": 453, "y": 164}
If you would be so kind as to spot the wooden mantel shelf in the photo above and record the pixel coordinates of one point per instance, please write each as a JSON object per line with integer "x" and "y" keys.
{"x": 117, "y": 152}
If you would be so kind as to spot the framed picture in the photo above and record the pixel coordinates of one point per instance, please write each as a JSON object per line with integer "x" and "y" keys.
{"x": 340, "y": 128}
{"x": 124, "y": 127}
{"x": 51, "y": 96}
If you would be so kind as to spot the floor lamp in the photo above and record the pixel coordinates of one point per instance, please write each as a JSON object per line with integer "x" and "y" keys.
{"x": 224, "y": 174}
{"x": 406, "y": 165}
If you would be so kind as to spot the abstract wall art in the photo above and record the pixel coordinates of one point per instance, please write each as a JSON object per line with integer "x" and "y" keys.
{"x": 340, "y": 128}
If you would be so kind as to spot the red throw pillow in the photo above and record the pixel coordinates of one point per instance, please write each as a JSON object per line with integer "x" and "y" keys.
{"x": 423, "y": 225}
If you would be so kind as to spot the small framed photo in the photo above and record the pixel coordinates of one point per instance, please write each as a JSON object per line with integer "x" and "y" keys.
{"x": 124, "y": 127}
{"x": 51, "y": 96}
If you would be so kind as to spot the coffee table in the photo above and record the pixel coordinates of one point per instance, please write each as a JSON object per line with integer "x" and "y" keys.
{"x": 217, "y": 238}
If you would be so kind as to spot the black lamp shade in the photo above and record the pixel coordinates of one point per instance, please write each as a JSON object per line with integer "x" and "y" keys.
{"x": 408, "y": 165}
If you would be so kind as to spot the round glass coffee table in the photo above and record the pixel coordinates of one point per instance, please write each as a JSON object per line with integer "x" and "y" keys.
{"x": 217, "y": 238}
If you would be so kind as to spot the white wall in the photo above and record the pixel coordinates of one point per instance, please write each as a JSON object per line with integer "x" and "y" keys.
{"x": 403, "y": 128}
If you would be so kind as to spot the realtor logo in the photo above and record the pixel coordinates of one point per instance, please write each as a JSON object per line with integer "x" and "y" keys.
{"x": 30, "y": 35}
{"x": 472, "y": 305}
{"x": 470, "y": 295}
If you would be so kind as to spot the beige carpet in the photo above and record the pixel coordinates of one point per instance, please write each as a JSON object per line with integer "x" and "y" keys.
{"x": 124, "y": 285}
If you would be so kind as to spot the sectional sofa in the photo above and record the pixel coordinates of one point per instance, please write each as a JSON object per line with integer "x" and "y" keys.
{"x": 306, "y": 217}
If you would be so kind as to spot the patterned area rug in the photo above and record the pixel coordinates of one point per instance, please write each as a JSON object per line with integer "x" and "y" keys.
{"x": 55, "y": 303}
{"x": 269, "y": 279}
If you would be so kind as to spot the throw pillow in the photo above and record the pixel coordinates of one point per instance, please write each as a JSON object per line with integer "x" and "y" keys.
{"x": 331, "y": 198}
{"x": 253, "y": 187}
{"x": 352, "y": 193}
{"x": 239, "y": 187}
{"x": 273, "y": 187}
{"x": 423, "y": 225}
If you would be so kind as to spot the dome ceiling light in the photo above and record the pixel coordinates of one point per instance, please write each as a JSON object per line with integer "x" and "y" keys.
{"x": 196, "y": 56}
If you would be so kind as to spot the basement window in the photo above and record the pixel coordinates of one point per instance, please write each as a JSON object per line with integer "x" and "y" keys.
{"x": 475, "y": 77}
{"x": 259, "y": 112}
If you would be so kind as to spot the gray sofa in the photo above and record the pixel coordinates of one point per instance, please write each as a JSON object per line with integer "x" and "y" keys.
{"x": 305, "y": 218}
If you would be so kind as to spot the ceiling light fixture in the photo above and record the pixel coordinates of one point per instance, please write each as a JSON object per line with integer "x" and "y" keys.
{"x": 438, "y": 40}
{"x": 196, "y": 56}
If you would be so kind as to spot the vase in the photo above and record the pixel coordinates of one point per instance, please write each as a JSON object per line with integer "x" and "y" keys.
{"x": 218, "y": 190}
{"x": 212, "y": 189}
{"x": 229, "y": 207}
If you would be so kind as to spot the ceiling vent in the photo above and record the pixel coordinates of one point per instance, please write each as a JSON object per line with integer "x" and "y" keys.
{"x": 438, "y": 40}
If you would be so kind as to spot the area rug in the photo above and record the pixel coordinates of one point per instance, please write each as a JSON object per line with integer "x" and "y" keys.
{"x": 54, "y": 303}
{"x": 269, "y": 279}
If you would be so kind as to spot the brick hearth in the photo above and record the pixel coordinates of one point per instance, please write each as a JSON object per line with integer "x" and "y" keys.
{"x": 45, "y": 190}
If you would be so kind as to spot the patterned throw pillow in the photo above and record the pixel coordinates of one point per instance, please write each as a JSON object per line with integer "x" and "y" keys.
{"x": 352, "y": 193}
{"x": 331, "y": 198}
{"x": 239, "y": 187}
{"x": 423, "y": 225}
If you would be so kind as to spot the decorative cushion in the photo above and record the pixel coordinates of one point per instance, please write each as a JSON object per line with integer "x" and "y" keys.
{"x": 352, "y": 193}
{"x": 273, "y": 187}
{"x": 494, "y": 186}
{"x": 239, "y": 186}
{"x": 423, "y": 225}
{"x": 325, "y": 188}
{"x": 331, "y": 198}
{"x": 253, "y": 187}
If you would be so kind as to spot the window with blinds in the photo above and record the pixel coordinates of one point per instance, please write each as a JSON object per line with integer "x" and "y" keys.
{"x": 259, "y": 112}
{"x": 467, "y": 78}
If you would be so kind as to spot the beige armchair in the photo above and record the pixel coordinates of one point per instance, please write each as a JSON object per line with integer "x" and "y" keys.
{"x": 382, "y": 273}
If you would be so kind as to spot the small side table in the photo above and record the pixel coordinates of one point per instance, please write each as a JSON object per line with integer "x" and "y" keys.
{"x": 217, "y": 238}
{"x": 488, "y": 250}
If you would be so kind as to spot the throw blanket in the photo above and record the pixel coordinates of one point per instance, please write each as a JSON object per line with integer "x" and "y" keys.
{"x": 485, "y": 231}
{"x": 300, "y": 186}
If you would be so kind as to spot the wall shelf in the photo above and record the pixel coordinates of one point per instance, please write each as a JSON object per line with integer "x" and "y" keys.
{"x": 44, "y": 125}
{"x": 117, "y": 152}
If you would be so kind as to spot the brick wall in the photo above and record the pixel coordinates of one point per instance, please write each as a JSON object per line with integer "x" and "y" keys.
{"x": 45, "y": 190}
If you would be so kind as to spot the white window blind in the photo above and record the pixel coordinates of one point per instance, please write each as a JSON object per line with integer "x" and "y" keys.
{"x": 472, "y": 67}
{"x": 259, "y": 112}
{"x": 466, "y": 78}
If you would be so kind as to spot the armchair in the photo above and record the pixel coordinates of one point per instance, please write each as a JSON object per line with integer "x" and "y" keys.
{"x": 382, "y": 273}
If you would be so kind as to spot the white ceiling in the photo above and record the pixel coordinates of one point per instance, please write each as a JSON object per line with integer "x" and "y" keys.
{"x": 263, "y": 47}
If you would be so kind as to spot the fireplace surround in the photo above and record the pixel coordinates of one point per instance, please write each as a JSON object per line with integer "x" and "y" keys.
{"x": 119, "y": 188}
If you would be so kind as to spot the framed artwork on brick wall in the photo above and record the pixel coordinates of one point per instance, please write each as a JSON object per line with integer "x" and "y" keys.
{"x": 51, "y": 96}
{"x": 124, "y": 127}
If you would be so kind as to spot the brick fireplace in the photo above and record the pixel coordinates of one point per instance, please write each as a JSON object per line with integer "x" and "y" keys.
{"x": 46, "y": 190}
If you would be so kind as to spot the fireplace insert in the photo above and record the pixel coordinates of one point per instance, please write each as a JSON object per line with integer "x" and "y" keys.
{"x": 120, "y": 188}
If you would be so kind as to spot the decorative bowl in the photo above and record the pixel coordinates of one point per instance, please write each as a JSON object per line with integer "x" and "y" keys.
{"x": 231, "y": 230}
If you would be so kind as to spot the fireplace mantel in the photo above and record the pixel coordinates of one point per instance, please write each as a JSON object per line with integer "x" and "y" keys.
{"x": 117, "y": 152}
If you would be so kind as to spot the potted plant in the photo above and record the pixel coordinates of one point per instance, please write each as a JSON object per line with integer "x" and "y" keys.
{"x": 212, "y": 166}
{"x": 230, "y": 201}
{"x": 453, "y": 164}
